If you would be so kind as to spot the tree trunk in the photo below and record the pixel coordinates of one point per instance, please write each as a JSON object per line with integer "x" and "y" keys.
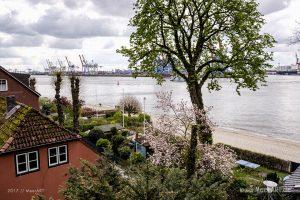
{"x": 60, "y": 112}
{"x": 197, "y": 130}
{"x": 75, "y": 101}
{"x": 191, "y": 161}
{"x": 197, "y": 100}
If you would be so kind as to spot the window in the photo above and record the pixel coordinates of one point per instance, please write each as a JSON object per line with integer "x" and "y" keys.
{"x": 3, "y": 85}
{"x": 27, "y": 162}
{"x": 57, "y": 155}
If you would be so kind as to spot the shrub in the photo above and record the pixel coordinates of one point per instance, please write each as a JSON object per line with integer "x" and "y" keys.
{"x": 235, "y": 192}
{"x": 110, "y": 114}
{"x": 272, "y": 176}
{"x": 141, "y": 118}
{"x": 124, "y": 152}
{"x": 117, "y": 115}
{"x": 136, "y": 158}
{"x": 100, "y": 181}
{"x": 46, "y": 109}
{"x": 86, "y": 127}
{"x": 105, "y": 143}
{"x": 125, "y": 133}
{"x": 83, "y": 134}
{"x": 95, "y": 135}
{"x": 116, "y": 141}
{"x": 88, "y": 112}
{"x": 64, "y": 101}
{"x": 114, "y": 131}
{"x": 47, "y": 106}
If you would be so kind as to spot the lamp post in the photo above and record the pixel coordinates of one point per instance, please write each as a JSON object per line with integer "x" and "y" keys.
{"x": 144, "y": 115}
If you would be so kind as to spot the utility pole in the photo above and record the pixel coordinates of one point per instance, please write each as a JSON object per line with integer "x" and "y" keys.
{"x": 144, "y": 115}
{"x": 123, "y": 112}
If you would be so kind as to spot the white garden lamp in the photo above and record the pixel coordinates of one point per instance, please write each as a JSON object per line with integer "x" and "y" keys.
{"x": 270, "y": 187}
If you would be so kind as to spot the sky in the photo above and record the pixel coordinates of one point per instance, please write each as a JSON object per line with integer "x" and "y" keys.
{"x": 32, "y": 31}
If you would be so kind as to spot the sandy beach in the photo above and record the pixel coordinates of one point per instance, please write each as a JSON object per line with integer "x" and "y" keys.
{"x": 281, "y": 148}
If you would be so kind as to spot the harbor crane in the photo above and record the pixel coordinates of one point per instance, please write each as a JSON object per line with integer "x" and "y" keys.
{"x": 51, "y": 67}
{"x": 71, "y": 67}
{"x": 88, "y": 67}
{"x": 62, "y": 67}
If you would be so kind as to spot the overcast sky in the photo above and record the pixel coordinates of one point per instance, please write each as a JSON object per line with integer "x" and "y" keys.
{"x": 33, "y": 30}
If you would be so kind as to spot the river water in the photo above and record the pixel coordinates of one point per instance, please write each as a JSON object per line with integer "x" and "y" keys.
{"x": 273, "y": 110}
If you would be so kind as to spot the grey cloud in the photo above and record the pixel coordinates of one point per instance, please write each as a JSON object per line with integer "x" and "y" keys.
{"x": 68, "y": 3}
{"x": 122, "y": 8}
{"x": 66, "y": 44}
{"x": 22, "y": 41}
{"x": 269, "y": 6}
{"x": 42, "y": 1}
{"x": 108, "y": 45}
{"x": 8, "y": 53}
{"x": 73, "y": 3}
{"x": 58, "y": 24}
{"x": 9, "y": 24}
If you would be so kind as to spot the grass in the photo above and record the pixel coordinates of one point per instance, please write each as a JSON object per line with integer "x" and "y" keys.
{"x": 255, "y": 177}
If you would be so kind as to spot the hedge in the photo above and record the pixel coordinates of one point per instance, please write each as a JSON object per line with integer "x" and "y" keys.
{"x": 267, "y": 161}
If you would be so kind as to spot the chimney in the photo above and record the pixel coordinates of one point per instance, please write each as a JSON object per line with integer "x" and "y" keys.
{"x": 10, "y": 103}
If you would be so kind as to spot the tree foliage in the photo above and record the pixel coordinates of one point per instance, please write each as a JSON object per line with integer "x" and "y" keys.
{"x": 101, "y": 181}
{"x": 200, "y": 38}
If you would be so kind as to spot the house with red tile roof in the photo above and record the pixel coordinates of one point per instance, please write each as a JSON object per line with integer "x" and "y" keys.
{"x": 16, "y": 84}
{"x": 35, "y": 152}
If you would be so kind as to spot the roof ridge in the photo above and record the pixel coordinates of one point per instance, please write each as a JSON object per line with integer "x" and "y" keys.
{"x": 7, "y": 72}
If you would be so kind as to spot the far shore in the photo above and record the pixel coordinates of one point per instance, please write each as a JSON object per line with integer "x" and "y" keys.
{"x": 281, "y": 148}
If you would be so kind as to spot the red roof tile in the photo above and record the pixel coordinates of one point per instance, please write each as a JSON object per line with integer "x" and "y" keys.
{"x": 32, "y": 129}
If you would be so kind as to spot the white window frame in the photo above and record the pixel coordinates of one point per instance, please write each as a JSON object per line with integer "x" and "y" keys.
{"x": 58, "y": 161}
{"x": 6, "y": 88}
{"x": 27, "y": 161}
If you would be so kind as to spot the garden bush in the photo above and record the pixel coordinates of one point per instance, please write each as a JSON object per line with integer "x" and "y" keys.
{"x": 235, "y": 192}
{"x": 116, "y": 142}
{"x": 46, "y": 109}
{"x": 140, "y": 118}
{"x": 114, "y": 131}
{"x": 124, "y": 152}
{"x": 88, "y": 112}
{"x": 86, "y": 127}
{"x": 272, "y": 176}
{"x": 105, "y": 143}
{"x": 95, "y": 135}
{"x": 110, "y": 114}
{"x": 136, "y": 158}
{"x": 125, "y": 133}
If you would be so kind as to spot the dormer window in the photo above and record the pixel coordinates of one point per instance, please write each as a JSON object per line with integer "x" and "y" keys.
{"x": 3, "y": 85}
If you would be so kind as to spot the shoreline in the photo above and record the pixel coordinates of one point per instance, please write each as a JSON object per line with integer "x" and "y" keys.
{"x": 282, "y": 148}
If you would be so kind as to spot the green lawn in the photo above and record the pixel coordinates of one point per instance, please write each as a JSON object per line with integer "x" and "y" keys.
{"x": 255, "y": 177}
